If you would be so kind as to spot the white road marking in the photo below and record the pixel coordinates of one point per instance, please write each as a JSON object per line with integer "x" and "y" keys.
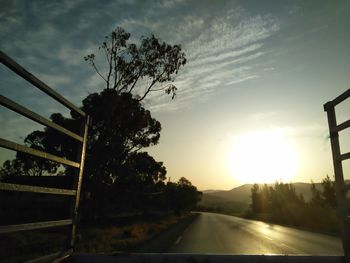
{"x": 283, "y": 244}
{"x": 295, "y": 250}
{"x": 178, "y": 240}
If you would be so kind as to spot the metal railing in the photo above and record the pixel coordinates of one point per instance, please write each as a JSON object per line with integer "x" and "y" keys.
{"x": 340, "y": 186}
{"x": 78, "y": 164}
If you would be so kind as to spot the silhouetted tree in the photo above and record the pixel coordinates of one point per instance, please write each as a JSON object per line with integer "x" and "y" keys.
{"x": 328, "y": 192}
{"x": 28, "y": 165}
{"x": 11, "y": 168}
{"x": 256, "y": 205}
{"x": 280, "y": 203}
{"x": 186, "y": 195}
{"x": 141, "y": 182}
{"x": 34, "y": 166}
{"x": 128, "y": 63}
{"x": 316, "y": 197}
{"x": 120, "y": 126}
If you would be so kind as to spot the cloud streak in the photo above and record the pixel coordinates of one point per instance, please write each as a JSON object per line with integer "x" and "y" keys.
{"x": 222, "y": 46}
{"x": 222, "y": 55}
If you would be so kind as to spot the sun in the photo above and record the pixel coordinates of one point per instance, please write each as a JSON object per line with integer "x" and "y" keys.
{"x": 263, "y": 157}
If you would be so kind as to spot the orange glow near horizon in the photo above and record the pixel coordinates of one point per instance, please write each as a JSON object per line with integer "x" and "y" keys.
{"x": 263, "y": 157}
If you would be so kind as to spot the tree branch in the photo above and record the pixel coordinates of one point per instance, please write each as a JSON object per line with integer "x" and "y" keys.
{"x": 109, "y": 60}
{"x": 162, "y": 88}
{"x": 148, "y": 90}
{"x": 94, "y": 66}
{"x": 115, "y": 70}
{"x": 137, "y": 78}
{"x": 122, "y": 77}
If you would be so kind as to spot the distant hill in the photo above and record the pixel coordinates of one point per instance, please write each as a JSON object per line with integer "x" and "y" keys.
{"x": 210, "y": 191}
{"x": 218, "y": 203}
{"x": 239, "y": 198}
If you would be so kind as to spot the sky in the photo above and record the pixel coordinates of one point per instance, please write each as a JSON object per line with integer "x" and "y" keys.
{"x": 254, "y": 67}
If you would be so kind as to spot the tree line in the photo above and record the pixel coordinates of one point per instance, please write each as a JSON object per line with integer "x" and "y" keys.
{"x": 118, "y": 174}
{"x": 280, "y": 203}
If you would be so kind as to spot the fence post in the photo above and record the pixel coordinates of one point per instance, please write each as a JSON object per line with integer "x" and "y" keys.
{"x": 78, "y": 179}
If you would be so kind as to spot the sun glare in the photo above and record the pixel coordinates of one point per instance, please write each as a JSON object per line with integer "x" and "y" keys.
{"x": 263, "y": 157}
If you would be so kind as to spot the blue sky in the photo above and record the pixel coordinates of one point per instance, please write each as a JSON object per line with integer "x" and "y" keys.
{"x": 252, "y": 65}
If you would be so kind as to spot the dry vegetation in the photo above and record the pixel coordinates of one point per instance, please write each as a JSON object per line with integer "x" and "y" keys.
{"x": 123, "y": 238}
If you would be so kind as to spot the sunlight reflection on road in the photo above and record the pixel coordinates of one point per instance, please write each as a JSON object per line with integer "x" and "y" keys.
{"x": 215, "y": 233}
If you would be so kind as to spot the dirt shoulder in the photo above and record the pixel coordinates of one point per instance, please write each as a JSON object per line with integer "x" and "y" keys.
{"x": 148, "y": 235}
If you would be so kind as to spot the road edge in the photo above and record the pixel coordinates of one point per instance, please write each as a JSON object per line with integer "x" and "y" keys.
{"x": 165, "y": 239}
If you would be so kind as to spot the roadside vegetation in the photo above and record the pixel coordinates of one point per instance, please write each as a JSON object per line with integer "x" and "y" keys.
{"x": 308, "y": 206}
{"x": 281, "y": 204}
{"x": 119, "y": 237}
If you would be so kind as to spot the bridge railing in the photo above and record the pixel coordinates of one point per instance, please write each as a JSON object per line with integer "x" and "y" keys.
{"x": 338, "y": 158}
{"x": 77, "y": 164}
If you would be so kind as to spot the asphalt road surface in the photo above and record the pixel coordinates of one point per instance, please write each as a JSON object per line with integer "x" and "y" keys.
{"x": 216, "y": 233}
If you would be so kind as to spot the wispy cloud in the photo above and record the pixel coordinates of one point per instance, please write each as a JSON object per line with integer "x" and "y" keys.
{"x": 221, "y": 45}
{"x": 222, "y": 55}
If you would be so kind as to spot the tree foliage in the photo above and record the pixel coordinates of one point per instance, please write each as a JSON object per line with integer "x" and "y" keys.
{"x": 30, "y": 165}
{"x": 182, "y": 195}
{"x": 280, "y": 203}
{"x": 152, "y": 61}
{"x": 280, "y": 198}
{"x": 120, "y": 126}
{"x": 328, "y": 192}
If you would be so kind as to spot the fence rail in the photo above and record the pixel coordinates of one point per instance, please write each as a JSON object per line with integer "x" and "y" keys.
{"x": 20, "y": 148}
{"x": 36, "y": 189}
{"x": 19, "y": 70}
{"x": 32, "y": 226}
{"x": 36, "y": 117}
{"x": 78, "y": 165}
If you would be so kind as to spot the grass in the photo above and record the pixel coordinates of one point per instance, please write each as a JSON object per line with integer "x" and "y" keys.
{"x": 21, "y": 246}
{"x": 108, "y": 239}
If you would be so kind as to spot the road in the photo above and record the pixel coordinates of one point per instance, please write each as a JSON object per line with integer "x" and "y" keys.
{"x": 216, "y": 233}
